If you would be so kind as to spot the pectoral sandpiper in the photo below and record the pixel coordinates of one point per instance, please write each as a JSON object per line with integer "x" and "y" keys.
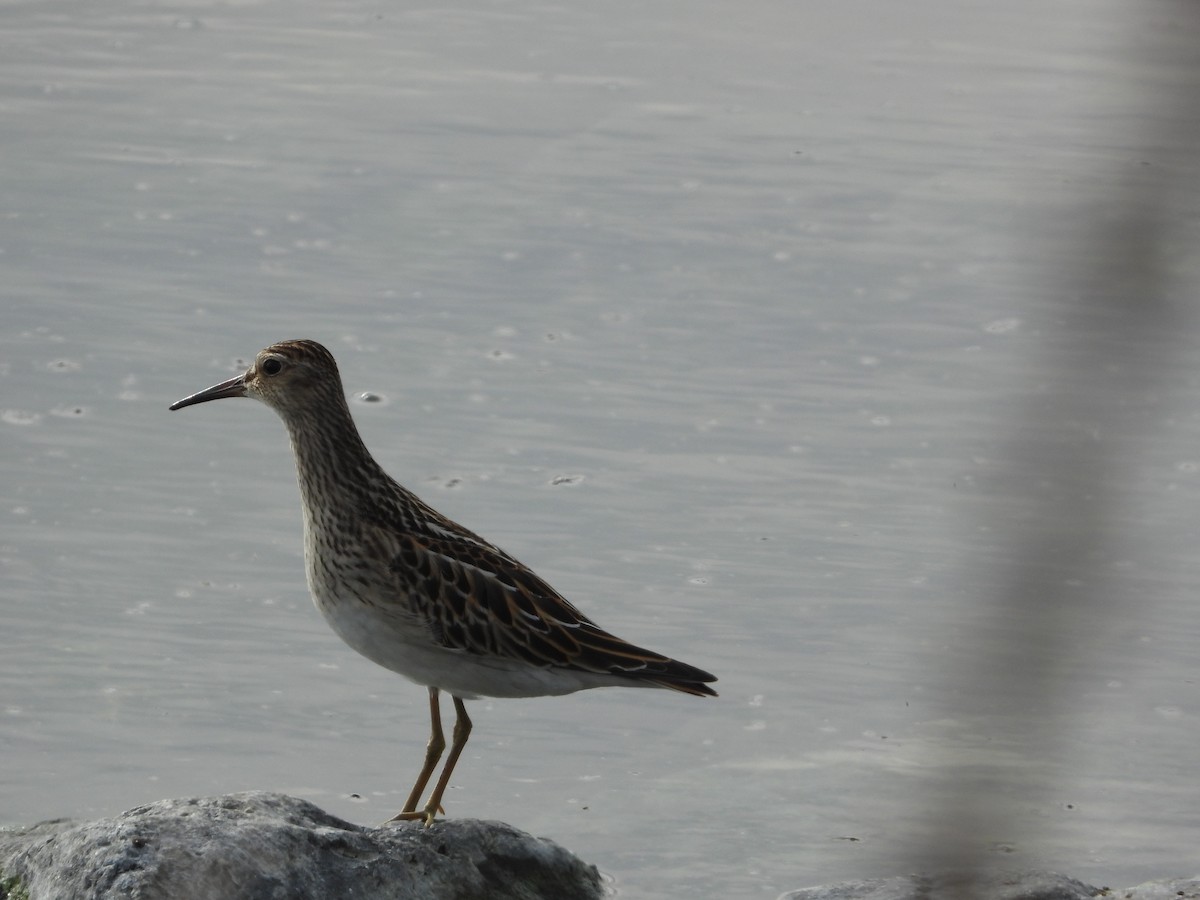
{"x": 417, "y": 593}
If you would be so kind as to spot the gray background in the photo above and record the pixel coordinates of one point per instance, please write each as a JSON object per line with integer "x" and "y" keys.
{"x": 786, "y": 297}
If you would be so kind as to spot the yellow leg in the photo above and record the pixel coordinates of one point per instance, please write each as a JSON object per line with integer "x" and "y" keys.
{"x": 462, "y": 731}
{"x": 433, "y": 752}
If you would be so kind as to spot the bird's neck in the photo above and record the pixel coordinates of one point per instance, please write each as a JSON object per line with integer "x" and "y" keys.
{"x": 333, "y": 465}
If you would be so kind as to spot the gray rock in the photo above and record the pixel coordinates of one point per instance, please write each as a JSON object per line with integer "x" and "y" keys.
{"x": 1166, "y": 889}
{"x": 994, "y": 886}
{"x": 954, "y": 886}
{"x": 264, "y": 846}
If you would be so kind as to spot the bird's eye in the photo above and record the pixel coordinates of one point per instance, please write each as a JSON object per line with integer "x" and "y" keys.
{"x": 272, "y": 366}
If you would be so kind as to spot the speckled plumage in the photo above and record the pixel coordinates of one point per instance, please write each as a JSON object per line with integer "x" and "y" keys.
{"x": 417, "y": 593}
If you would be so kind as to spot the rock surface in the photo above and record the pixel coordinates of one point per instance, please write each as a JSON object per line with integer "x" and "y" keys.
{"x": 264, "y": 846}
{"x": 1012, "y": 886}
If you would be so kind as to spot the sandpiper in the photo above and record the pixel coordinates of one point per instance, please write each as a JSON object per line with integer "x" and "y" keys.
{"x": 417, "y": 593}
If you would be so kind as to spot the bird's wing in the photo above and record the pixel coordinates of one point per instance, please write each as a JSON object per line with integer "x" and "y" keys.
{"x": 476, "y": 598}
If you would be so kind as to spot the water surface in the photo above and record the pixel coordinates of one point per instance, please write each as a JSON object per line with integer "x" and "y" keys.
{"x": 762, "y": 334}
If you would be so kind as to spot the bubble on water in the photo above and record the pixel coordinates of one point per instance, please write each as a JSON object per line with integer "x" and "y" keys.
{"x": 64, "y": 365}
{"x": 371, "y": 397}
{"x": 566, "y": 479}
{"x": 1002, "y": 326}
{"x": 20, "y": 417}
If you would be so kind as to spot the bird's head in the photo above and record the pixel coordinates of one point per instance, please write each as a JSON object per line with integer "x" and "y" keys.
{"x": 290, "y": 377}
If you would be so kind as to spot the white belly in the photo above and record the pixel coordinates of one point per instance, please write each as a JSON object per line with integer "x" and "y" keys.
{"x": 383, "y": 631}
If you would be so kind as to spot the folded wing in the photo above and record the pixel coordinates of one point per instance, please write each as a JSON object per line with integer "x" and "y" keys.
{"x": 476, "y": 598}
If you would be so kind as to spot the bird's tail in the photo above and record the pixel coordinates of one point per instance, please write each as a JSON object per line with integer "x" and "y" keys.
{"x": 679, "y": 676}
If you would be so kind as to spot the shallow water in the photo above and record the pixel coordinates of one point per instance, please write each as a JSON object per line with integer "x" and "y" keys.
{"x": 759, "y": 335}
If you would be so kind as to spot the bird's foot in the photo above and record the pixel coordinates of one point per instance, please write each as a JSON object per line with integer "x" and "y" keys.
{"x": 427, "y": 815}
